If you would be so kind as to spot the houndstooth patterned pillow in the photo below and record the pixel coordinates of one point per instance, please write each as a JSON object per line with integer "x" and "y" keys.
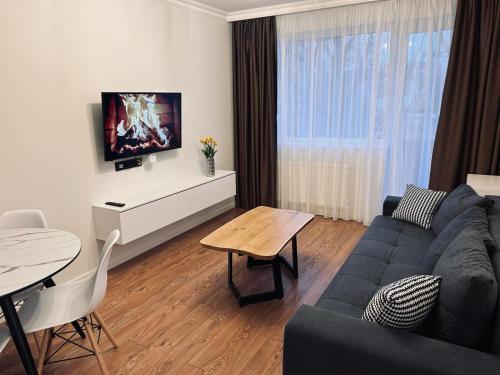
{"x": 418, "y": 206}
{"x": 404, "y": 304}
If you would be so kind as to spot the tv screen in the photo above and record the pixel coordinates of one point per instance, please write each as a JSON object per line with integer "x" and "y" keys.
{"x": 140, "y": 123}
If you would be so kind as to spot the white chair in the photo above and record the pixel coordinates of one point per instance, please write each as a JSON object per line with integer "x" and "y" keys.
{"x": 23, "y": 219}
{"x": 66, "y": 303}
{"x": 20, "y": 219}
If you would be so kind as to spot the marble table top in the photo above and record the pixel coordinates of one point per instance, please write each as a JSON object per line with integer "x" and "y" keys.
{"x": 31, "y": 255}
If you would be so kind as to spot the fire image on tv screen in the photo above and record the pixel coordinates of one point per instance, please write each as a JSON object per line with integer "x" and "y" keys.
{"x": 140, "y": 123}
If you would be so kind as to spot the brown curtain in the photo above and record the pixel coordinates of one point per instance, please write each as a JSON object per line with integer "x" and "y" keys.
{"x": 255, "y": 101}
{"x": 468, "y": 133}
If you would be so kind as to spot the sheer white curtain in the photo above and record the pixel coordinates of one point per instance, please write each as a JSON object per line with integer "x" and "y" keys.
{"x": 359, "y": 92}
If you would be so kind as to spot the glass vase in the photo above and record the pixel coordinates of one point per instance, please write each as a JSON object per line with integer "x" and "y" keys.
{"x": 210, "y": 167}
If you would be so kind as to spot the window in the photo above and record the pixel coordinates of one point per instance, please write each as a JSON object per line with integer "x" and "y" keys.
{"x": 359, "y": 94}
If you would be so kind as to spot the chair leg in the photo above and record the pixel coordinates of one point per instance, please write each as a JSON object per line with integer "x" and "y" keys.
{"x": 49, "y": 345}
{"x": 43, "y": 351}
{"x": 95, "y": 346}
{"x": 105, "y": 329}
{"x": 37, "y": 343}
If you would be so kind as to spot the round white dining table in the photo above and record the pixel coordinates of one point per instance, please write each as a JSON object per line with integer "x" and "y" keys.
{"x": 30, "y": 256}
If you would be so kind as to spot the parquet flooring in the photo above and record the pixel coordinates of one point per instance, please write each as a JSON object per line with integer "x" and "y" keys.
{"x": 172, "y": 313}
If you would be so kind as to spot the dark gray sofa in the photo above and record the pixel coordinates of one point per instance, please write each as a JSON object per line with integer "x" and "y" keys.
{"x": 330, "y": 338}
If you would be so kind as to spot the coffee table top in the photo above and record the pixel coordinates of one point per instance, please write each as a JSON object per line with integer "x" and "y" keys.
{"x": 261, "y": 232}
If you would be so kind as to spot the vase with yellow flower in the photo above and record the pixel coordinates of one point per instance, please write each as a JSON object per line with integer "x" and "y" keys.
{"x": 209, "y": 150}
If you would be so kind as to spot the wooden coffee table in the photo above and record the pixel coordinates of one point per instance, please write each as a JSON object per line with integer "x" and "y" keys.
{"x": 260, "y": 234}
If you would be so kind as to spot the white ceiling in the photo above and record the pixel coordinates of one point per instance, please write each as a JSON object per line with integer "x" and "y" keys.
{"x": 237, "y": 5}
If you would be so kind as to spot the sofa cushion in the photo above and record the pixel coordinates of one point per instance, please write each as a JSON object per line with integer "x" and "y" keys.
{"x": 340, "y": 307}
{"x": 418, "y": 206}
{"x": 459, "y": 200}
{"x": 348, "y": 294}
{"x": 395, "y": 272}
{"x": 468, "y": 294}
{"x": 494, "y": 221}
{"x": 474, "y": 218}
{"x": 398, "y": 233}
{"x": 388, "y": 251}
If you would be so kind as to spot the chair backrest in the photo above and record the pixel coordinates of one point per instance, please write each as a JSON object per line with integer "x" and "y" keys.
{"x": 101, "y": 273}
{"x": 23, "y": 219}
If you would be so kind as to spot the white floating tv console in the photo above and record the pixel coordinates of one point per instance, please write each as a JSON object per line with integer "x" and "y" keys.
{"x": 154, "y": 210}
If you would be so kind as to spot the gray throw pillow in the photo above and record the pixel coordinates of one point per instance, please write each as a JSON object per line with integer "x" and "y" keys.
{"x": 459, "y": 200}
{"x": 468, "y": 293}
{"x": 472, "y": 218}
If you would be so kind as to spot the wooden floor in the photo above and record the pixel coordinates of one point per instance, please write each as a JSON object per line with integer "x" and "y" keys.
{"x": 172, "y": 312}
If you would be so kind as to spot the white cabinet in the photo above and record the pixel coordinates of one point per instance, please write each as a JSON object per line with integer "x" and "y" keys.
{"x": 154, "y": 210}
{"x": 139, "y": 221}
{"x": 207, "y": 195}
{"x": 484, "y": 184}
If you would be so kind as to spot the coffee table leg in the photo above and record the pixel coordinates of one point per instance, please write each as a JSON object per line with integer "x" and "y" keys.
{"x": 278, "y": 282}
{"x": 294, "y": 268}
{"x": 252, "y": 262}
{"x": 260, "y": 297}
{"x": 230, "y": 283}
{"x": 295, "y": 260}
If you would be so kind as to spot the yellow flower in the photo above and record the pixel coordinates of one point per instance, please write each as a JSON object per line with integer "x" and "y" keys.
{"x": 209, "y": 141}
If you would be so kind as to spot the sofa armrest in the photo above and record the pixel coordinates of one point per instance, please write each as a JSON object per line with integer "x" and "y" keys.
{"x": 390, "y": 204}
{"x": 319, "y": 341}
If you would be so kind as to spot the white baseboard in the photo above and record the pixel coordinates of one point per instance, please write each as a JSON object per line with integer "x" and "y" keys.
{"x": 126, "y": 252}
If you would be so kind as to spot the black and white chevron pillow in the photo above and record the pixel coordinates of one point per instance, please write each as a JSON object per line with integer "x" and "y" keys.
{"x": 404, "y": 304}
{"x": 418, "y": 206}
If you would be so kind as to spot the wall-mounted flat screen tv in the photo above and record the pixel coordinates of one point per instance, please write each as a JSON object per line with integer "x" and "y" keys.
{"x": 140, "y": 123}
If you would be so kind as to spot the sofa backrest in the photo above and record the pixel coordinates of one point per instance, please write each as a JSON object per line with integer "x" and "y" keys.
{"x": 494, "y": 223}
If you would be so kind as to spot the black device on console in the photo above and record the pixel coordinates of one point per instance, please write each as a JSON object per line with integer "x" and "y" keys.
{"x": 116, "y": 204}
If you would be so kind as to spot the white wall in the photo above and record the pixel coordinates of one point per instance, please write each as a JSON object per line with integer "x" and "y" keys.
{"x": 57, "y": 56}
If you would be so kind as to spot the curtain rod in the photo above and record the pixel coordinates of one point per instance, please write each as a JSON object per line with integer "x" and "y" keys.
{"x": 290, "y": 8}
